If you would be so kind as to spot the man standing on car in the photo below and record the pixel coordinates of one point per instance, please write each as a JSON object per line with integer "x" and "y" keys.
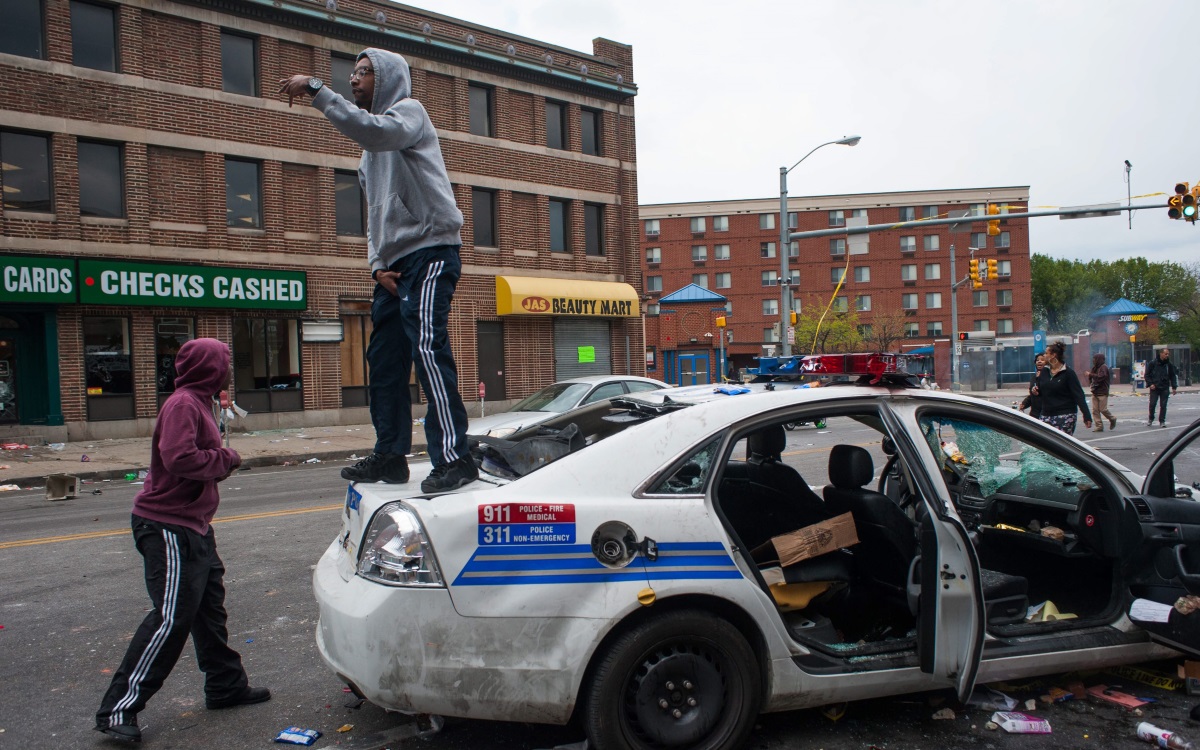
{"x": 1099, "y": 377}
{"x": 413, "y": 239}
{"x": 1161, "y": 375}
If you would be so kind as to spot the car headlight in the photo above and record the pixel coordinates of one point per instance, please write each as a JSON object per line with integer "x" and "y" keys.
{"x": 396, "y": 551}
{"x": 499, "y": 432}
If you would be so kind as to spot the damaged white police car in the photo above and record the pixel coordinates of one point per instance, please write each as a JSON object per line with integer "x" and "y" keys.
{"x": 615, "y": 566}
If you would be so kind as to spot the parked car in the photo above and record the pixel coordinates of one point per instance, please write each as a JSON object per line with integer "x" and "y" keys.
{"x": 616, "y": 564}
{"x": 557, "y": 398}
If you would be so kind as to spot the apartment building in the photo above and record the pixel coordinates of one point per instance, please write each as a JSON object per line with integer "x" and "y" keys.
{"x": 156, "y": 188}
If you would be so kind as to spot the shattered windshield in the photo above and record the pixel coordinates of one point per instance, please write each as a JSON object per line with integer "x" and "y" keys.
{"x": 1000, "y": 463}
{"x": 553, "y": 398}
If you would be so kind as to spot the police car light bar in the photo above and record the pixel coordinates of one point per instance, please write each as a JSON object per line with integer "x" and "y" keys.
{"x": 875, "y": 364}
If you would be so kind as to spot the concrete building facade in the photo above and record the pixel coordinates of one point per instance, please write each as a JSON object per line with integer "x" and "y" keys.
{"x": 156, "y": 189}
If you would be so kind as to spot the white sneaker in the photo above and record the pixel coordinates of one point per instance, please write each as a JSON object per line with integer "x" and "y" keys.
{"x": 1149, "y": 423}
{"x": 1162, "y": 424}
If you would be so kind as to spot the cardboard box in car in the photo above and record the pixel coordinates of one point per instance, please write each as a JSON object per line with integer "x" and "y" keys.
{"x": 809, "y": 542}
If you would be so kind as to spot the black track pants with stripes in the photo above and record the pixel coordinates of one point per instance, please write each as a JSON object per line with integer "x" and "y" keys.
{"x": 184, "y": 579}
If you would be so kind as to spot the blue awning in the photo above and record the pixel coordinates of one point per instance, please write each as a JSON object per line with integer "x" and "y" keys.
{"x": 921, "y": 351}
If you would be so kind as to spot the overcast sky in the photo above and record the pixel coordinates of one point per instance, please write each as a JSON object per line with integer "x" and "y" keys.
{"x": 1053, "y": 95}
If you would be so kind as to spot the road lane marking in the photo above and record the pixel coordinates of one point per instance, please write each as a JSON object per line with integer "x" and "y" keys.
{"x": 118, "y": 532}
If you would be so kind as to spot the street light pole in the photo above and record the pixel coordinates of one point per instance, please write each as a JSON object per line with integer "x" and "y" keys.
{"x": 785, "y": 307}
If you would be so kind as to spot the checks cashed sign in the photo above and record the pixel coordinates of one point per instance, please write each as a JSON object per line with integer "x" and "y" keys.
{"x": 108, "y": 282}
{"x": 37, "y": 279}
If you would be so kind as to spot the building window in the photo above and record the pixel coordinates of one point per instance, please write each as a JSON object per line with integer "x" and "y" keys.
{"x": 908, "y": 272}
{"x": 721, "y": 252}
{"x": 341, "y": 66}
{"x": 699, "y": 253}
{"x": 1002, "y": 240}
{"x": 1004, "y": 268}
{"x": 559, "y": 221}
{"x": 933, "y": 271}
{"x": 859, "y": 213}
{"x": 266, "y": 364}
{"x": 908, "y": 213}
{"x": 169, "y": 335}
{"x": 356, "y": 334}
{"x": 720, "y": 223}
{"x": 724, "y": 280}
{"x": 243, "y": 194}
{"x": 21, "y": 33}
{"x": 929, "y": 212}
{"x": 837, "y": 218}
{"x": 862, "y": 303}
{"x": 108, "y": 368}
{"x": 864, "y": 330}
{"x": 654, "y": 283}
{"x": 556, "y": 124}
{"x": 483, "y": 211}
{"x": 589, "y": 130}
{"x": 652, "y": 308}
{"x": 932, "y": 242}
{"x": 651, "y": 227}
{"x": 101, "y": 180}
{"x": 766, "y": 221}
{"x": 794, "y": 249}
{"x": 837, "y": 246}
{"x": 349, "y": 205}
{"x": 766, "y": 250}
{"x": 933, "y": 328}
{"x": 911, "y": 330}
{"x": 770, "y": 335}
{"x": 697, "y": 224}
{"x": 26, "y": 176}
{"x": 1004, "y": 325}
{"x": 593, "y": 229}
{"x": 908, "y": 301}
{"x": 239, "y": 64}
{"x": 862, "y": 274}
{"x": 1004, "y": 297}
{"x": 770, "y": 278}
{"x": 933, "y": 300}
{"x": 654, "y": 255}
{"x": 979, "y": 298}
{"x": 93, "y": 36}
{"x": 700, "y": 280}
{"x": 770, "y": 307}
{"x": 979, "y": 240}
{"x": 837, "y": 275}
{"x": 908, "y": 244}
{"x": 841, "y": 304}
{"x": 983, "y": 325}
{"x": 794, "y": 275}
{"x": 480, "y": 109}
{"x": 978, "y": 209}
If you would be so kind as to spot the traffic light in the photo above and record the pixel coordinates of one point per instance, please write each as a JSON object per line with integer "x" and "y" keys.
{"x": 993, "y": 224}
{"x": 976, "y": 282}
{"x": 1190, "y": 204}
{"x": 1175, "y": 202}
{"x": 792, "y": 317}
{"x": 720, "y": 321}
{"x": 993, "y": 272}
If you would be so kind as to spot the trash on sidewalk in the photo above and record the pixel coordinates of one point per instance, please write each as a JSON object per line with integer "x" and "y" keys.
{"x": 56, "y": 446}
{"x": 1116, "y": 697}
{"x": 84, "y": 458}
{"x": 1046, "y": 612}
{"x": 4, "y": 466}
{"x": 1189, "y": 672}
{"x": 1150, "y": 677}
{"x": 313, "y": 460}
{"x": 297, "y": 736}
{"x": 13, "y": 447}
{"x": 61, "y": 487}
{"x": 1018, "y": 723}
{"x": 9, "y": 487}
{"x": 1161, "y": 737}
{"x": 345, "y": 728}
{"x": 942, "y": 714}
{"x": 984, "y": 697}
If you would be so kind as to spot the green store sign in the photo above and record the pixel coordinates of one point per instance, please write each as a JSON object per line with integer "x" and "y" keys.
{"x": 107, "y": 282}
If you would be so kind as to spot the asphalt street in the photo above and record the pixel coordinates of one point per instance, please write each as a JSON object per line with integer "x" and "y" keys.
{"x": 72, "y": 595}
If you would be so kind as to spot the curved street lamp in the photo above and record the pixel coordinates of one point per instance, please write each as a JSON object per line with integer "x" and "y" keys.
{"x": 785, "y": 279}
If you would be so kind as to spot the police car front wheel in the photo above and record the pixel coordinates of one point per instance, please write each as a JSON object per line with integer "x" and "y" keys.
{"x": 684, "y": 679}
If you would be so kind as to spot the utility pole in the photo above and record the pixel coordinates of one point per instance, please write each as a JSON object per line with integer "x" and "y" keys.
{"x": 955, "y": 283}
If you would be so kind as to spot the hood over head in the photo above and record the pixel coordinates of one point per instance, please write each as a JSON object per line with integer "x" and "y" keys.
{"x": 202, "y": 365}
{"x": 392, "y": 79}
{"x": 1098, "y": 359}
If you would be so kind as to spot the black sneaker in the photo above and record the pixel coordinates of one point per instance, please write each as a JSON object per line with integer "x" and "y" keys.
{"x": 451, "y": 476}
{"x": 122, "y": 732}
{"x": 379, "y": 467}
{"x": 246, "y": 697}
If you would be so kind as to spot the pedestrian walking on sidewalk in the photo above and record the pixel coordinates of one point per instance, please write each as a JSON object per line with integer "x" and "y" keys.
{"x": 184, "y": 574}
{"x": 413, "y": 239}
{"x": 1032, "y": 401}
{"x": 1098, "y": 378}
{"x": 1062, "y": 395}
{"x": 1161, "y": 375}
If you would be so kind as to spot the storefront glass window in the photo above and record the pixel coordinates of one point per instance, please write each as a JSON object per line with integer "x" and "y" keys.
{"x": 266, "y": 364}
{"x": 108, "y": 370}
{"x": 169, "y": 335}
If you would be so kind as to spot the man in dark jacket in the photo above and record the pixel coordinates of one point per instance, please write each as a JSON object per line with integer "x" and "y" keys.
{"x": 184, "y": 574}
{"x": 1161, "y": 375}
{"x": 1099, "y": 377}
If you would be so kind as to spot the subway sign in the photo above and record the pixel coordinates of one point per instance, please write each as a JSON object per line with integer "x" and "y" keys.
{"x": 109, "y": 282}
{"x": 37, "y": 279}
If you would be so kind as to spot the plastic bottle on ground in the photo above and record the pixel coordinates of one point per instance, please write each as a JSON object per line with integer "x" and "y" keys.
{"x": 1163, "y": 738}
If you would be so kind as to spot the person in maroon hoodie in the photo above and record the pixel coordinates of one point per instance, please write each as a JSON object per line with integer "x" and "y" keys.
{"x": 171, "y": 517}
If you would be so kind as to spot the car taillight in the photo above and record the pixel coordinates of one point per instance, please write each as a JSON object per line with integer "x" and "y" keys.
{"x": 396, "y": 550}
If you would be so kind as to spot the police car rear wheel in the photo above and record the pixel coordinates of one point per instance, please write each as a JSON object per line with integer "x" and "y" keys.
{"x": 686, "y": 679}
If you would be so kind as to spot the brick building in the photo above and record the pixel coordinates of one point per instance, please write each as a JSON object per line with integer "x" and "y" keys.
{"x": 156, "y": 189}
{"x": 899, "y": 277}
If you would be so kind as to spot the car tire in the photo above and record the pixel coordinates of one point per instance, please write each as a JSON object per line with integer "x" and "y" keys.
{"x": 697, "y": 664}
{"x": 789, "y": 426}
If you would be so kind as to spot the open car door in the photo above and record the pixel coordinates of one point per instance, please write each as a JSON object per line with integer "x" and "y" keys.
{"x": 1170, "y": 515}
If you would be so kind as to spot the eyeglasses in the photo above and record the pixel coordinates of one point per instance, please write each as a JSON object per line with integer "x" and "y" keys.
{"x": 360, "y": 73}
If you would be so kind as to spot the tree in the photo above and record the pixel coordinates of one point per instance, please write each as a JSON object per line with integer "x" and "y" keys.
{"x": 826, "y": 331}
{"x": 886, "y": 328}
{"x": 1065, "y": 292}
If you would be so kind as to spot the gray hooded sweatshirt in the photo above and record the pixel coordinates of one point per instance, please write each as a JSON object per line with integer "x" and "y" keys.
{"x": 410, "y": 204}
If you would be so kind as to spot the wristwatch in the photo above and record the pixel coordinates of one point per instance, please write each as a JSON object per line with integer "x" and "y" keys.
{"x": 314, "y": 85}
